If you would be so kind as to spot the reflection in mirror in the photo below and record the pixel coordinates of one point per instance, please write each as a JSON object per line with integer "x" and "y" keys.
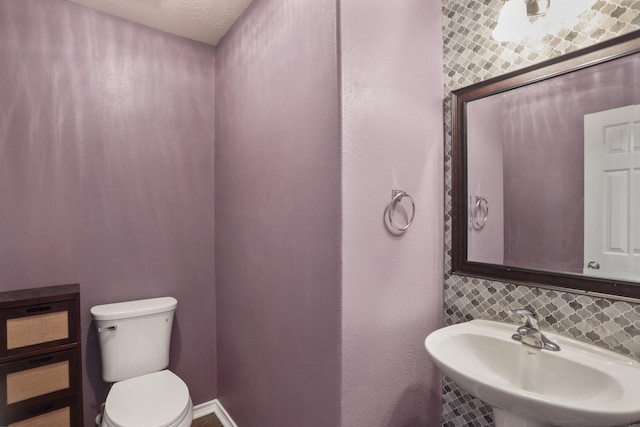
{"x": 526, "y": 148}
{"x": 612, "y": 192}
{"x": 557, "y": 161}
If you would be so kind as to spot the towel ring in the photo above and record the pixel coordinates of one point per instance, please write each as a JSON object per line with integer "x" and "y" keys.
{"x": 396, "y": 197}
{"x": 480, "y": 212}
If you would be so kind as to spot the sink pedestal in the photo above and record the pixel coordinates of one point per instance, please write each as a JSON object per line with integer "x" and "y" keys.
{"x": 503, "y": 418}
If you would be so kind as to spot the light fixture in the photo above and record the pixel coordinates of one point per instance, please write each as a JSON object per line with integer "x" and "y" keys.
{"x": 513, "y": 23}
{"x": 537, "y": 7}
{"x": 536, "y": 18}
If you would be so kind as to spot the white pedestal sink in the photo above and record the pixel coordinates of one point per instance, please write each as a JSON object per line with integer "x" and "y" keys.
{"x": 579, "y": 386}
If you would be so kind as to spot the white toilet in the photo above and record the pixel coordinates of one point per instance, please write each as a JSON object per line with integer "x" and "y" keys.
{"x": 134, "y": 343}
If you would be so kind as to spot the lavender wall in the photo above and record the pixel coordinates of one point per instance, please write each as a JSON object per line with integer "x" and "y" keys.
{"x": 392, "y": 91}
{"x": 285, "y": 357}
{"x": 278, "y": 215}
{"x": 106, "y": 172}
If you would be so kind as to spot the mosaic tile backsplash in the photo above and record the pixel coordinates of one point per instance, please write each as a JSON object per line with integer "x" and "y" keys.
{"x": 470, "y": 56}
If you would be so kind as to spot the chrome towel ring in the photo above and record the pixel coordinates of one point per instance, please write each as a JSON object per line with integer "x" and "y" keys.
{"x": 396, "y": 197}
{"x": 480, "y": 212}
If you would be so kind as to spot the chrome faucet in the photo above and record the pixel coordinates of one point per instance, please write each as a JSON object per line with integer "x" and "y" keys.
{"x": 529, "y": 333}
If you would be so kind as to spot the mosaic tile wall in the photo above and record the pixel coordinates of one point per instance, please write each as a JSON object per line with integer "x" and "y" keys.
{"x": 470, "y": 56}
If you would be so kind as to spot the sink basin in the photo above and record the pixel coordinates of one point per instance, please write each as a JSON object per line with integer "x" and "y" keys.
{"x": 581, "y": 385}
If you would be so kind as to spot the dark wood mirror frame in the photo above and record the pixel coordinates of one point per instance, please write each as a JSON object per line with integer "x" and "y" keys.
{"x": 588, "y": 57}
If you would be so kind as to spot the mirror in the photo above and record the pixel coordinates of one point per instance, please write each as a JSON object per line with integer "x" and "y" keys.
{"x": 546, "y": 172}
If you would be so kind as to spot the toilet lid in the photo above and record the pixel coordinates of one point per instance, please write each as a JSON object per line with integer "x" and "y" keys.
{"x": 153, "y": 400}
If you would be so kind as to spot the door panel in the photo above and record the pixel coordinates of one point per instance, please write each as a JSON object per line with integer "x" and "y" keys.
{"x": 612, "y": 193}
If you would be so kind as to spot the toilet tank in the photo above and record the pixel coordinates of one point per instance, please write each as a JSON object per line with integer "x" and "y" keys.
{"x": 134, "y": 336}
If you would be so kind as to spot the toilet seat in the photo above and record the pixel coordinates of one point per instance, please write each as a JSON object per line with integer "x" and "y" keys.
{"x": 159, "y": 399}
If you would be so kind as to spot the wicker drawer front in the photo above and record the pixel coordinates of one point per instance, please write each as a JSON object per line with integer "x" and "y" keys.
{"x": 37, "y": 329}
{"x": 40, "y": 357}
{"x": 57, "y": 418}
{"x": 34, "y": 382}
{"x": 30, "y": 328}
{"x": 29, "y": 381}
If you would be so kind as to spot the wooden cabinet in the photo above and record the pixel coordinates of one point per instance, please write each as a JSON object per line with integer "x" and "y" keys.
{"x": 40, "y": 359}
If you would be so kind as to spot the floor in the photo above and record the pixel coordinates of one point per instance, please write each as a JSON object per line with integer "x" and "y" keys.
{"x": 207, "y": 421}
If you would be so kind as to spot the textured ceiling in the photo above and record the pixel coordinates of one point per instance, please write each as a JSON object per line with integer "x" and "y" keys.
{"x": 202, "y": 20}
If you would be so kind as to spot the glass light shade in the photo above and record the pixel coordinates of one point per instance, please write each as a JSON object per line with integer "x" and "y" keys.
{"x": 562, "y": 14}
{"x": 513, "y": 24}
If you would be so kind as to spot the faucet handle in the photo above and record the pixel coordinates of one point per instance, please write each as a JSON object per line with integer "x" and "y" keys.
{"x": 524, "y": 312}
{"x": 530, "y": 317}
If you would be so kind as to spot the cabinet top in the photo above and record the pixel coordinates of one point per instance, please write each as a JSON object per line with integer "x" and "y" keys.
{"x": 37, "y": 293}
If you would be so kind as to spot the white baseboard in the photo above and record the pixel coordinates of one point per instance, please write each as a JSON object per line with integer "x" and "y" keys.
{"x": 213, "y": 407}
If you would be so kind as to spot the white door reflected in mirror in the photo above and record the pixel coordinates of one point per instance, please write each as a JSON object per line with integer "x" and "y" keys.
{"x": 612, "y": 193}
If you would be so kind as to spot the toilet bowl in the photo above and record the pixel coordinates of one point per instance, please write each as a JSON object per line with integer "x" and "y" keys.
{"x": 160, "y": 399}
{"x": 134, "y": 339}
